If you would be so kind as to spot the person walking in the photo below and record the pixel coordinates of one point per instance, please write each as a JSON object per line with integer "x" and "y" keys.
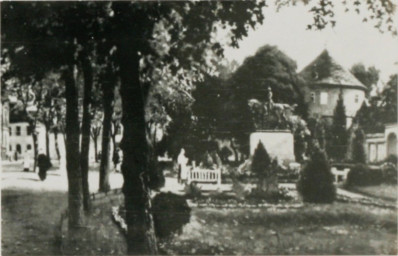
{"x": 43, "y": 162}
{"x": 182, "y": 161}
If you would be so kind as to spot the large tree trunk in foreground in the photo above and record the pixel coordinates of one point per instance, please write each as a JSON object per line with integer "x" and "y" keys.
{"x": 106, "y": 158}
{"x": 86, "y": 128}
{"x": 75, "y": 195}
{"x": 140, "y": 236}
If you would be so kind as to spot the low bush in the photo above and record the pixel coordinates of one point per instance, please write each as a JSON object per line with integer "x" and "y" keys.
{"x": 192, "y": 190}
{"x": 272, "y": 197}
{"x": 392, "y": 159}
{"x": 361, "y": 175}
{"x": 389, "y": 173}
{"x": 170, "y": 213}
{"x": 316, "y": 180}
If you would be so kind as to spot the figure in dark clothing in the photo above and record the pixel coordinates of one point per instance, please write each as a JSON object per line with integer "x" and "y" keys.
{"x": 116, "y": 160}
{"x": 44, "y": 164}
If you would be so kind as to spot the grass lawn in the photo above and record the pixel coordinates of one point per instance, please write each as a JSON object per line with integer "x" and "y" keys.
{"x": 314, "y": 229}
{"x": 28, "y": 221}
{"x": 383, "y": 191}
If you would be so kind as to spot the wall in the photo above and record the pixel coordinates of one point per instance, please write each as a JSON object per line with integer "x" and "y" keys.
{"x": 316, "y": 109}
{"x": 277, "y": 143}
{"x": 390, "y": 136}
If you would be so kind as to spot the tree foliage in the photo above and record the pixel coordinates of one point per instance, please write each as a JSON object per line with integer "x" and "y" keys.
{"x": 389, "y": 100}
{"x": 337, "y": 145}
{"x": 358, "y": 147}
{"x": 368, "y": 76}
{"x": 380, "y": 109}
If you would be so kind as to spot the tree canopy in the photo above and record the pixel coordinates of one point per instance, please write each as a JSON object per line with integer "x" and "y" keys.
{"x": 368, "y": 76}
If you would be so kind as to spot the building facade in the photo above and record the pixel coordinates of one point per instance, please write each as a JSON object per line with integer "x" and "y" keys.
{"x": 326, "y": 80}
{"x": 381, "y": 145}
{"x": 21, "y": 140}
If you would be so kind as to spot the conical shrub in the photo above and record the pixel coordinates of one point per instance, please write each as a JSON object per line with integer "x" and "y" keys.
{"x": 316, "y": 180}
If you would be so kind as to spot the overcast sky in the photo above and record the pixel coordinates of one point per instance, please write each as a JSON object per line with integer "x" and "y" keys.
{"x": 351, "y": 41}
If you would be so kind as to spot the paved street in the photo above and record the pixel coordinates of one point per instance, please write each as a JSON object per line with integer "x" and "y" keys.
{"x": 13, "y": 178}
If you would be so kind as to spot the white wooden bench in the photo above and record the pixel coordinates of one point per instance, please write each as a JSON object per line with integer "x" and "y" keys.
{"x": 204, "y": 176}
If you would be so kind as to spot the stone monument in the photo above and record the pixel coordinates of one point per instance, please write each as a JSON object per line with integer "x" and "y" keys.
{"x": 272, "y": 128}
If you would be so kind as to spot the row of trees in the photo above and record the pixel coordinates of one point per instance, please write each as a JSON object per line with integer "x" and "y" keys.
{"x": 155, "y": 52}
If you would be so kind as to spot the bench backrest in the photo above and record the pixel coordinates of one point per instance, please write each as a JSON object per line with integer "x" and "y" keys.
{"x": 204, "y": 175}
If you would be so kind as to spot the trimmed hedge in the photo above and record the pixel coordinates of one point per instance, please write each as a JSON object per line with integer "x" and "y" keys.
{"x": 362, "y": 175}
{"x": 170, "y": 213}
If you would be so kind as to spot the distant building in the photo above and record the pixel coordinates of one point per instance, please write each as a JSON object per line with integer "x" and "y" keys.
{"x": 326, "y": 79}
{"x": 381, "y": 145}
{"x": 20, "y": 140}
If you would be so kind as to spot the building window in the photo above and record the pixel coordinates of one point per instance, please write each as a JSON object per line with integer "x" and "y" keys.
{"x": 18, "y": 133}
{"x": 10, "y": 148}
{"x": 313, "y": 97}
{"x": 28, "y": 130}
{"x": 19, "y": 150}
{"x": 356, "y": 98}
{"x": 10, "y": 130}
{"x": 28, "y": 147}
{"x": 324, "y": 98}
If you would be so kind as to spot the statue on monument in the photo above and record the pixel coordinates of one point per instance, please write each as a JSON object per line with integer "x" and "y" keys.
{"x": 269, "y": 115}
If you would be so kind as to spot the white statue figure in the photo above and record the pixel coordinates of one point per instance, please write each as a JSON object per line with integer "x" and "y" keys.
{"x": 182, "y": 161}
{"x": 26, "y": 160}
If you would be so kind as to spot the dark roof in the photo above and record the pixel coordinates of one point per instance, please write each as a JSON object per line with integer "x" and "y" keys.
{"x": 325, "y": 71}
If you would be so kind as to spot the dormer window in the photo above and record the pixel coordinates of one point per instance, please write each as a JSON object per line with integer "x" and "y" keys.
{"x": 313, "y": 97}
{"x": 356, "y": 98}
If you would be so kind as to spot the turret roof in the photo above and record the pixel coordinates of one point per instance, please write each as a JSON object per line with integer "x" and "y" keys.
{"x": 324, "y": 70}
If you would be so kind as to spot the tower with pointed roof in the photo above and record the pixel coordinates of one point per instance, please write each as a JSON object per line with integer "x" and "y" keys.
{"x": 326, "y": 79}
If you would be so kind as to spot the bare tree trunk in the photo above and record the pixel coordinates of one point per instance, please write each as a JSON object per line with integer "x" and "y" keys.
{"x": 75, "y": 187}
{"x": 106, "y": 159}
{"x": 47, "y": 127}
{"x": 234, "y": 149}
{"x": 140, "y": 236}
{"x": 35, "y": 148}
{"x": 96, "y": 148}
{"x": 86, "y": 128}
{"x": 56, "y": 144}
{"x": 115, "y": 128}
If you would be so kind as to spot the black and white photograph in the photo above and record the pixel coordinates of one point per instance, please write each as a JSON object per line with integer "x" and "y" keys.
{"x": 199, "y": 127}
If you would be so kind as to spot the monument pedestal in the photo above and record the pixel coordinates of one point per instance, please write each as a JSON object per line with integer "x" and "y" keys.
{"x": 278, "y": 143}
